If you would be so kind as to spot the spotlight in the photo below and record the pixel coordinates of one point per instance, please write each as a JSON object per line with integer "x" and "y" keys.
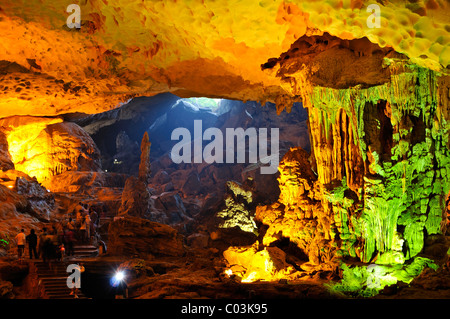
{"x": 119, "y": 285}
{"x": 118, "y": 278}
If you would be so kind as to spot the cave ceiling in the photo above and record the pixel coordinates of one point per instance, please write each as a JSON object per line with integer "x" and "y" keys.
{"x": 235, "y": 49}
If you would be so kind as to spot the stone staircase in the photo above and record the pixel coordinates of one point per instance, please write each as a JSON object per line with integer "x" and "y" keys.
{"x": 53, "y": 280}
{"x": 84, "y": 250}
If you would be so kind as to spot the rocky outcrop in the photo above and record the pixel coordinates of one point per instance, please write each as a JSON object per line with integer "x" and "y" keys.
{"x": 239, "y": 210}
{"x": 12, "y": 271}
{"x": 5, "y": 158}
{"x": 136, "y": 196}
{"x": 40, "y": 202}
{"x": 169, "y": 208}
{"x": 6, "y": 290}
{"x": 22, "y": 194}
{"x": 42, "y": 147}
{"x": 136, "y": 199}
{"x": 129, "y": 236}
{"x": 298, "y": 214}
{"x": 85, "y": 182}
{"x": 144, "y": 166}
{"x": 24, "y": 208}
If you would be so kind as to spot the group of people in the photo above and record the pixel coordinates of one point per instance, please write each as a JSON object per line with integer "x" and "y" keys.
{"x": 47, "y": 245}
{"x": 83, "y": 221}
{"x": 57, "y": 241}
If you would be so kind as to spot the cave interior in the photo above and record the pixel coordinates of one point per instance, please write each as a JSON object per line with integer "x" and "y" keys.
{"x": 272, "y": 149}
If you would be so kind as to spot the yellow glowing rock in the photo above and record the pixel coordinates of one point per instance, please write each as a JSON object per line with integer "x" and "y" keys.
{"x": 296, "y": 178}
{"x": 44, "y": 147}
{"x": 268, "y": 264}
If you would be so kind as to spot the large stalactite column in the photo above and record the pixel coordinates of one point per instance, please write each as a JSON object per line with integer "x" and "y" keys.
{"x": 381, "y": 155}
{"x": 401, "y": 157}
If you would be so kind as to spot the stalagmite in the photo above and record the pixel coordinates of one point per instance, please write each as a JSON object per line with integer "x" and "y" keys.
{"x": 144, "y": 166}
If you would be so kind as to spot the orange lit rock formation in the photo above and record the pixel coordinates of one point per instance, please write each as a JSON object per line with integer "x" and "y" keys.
{"x": 45, "y": 147}
{"x": 194, "y": 48}
{"x": 298, "y": 214}
{"x": 130, "y": 235}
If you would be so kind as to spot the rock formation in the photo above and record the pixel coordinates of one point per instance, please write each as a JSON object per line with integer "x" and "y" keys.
{"x": 136, "y": 197}
{"x": 43, "y": 147}
{"x": 252, "y": 265}
{"x": 5, "y": 158}
{"x": 134, "y": 50}
{"x": 381, "y": 157}
{"x": 239, "y": 208}
{"x": 144, "y": 166}
{"x": 129, "y": 236}
{"x": 298, "y": 214}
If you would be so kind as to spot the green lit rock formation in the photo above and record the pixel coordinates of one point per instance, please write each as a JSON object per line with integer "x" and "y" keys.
{"x": 381, "y": 160}
{"x": 403, "y": 141}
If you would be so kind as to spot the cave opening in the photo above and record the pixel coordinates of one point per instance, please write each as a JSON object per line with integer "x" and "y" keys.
{"x": 122, "y": 137}
{"x": 118, "y": 140}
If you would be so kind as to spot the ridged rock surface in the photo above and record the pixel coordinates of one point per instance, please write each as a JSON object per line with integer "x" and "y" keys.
{"x": 130, "y": 236}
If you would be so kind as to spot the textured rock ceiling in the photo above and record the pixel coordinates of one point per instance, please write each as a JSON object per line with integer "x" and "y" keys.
{"x": 130, "y": 48}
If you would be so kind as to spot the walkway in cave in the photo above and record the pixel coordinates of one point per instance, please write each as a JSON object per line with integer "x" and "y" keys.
{"x": 52, "y": 277}
{"x": 52, "y": 280}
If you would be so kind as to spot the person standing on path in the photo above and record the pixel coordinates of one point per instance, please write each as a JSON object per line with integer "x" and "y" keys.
{"x": 69, "y": 239}
{"x": 32, "y": 244}
{"x": 41, "y": 240}
{"x": 20, "y": 240}
{"x": 83, "y": 230}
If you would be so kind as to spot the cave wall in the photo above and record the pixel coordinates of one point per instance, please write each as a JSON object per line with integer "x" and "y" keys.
{"x": 45, "y": 147}
{"x": 375, "y": 182}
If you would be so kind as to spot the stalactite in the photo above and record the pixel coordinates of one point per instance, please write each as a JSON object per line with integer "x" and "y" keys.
{"x": 382, "y": 160}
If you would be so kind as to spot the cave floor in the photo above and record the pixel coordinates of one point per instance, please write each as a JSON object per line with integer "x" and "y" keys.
{"x": 202, "y": 277}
